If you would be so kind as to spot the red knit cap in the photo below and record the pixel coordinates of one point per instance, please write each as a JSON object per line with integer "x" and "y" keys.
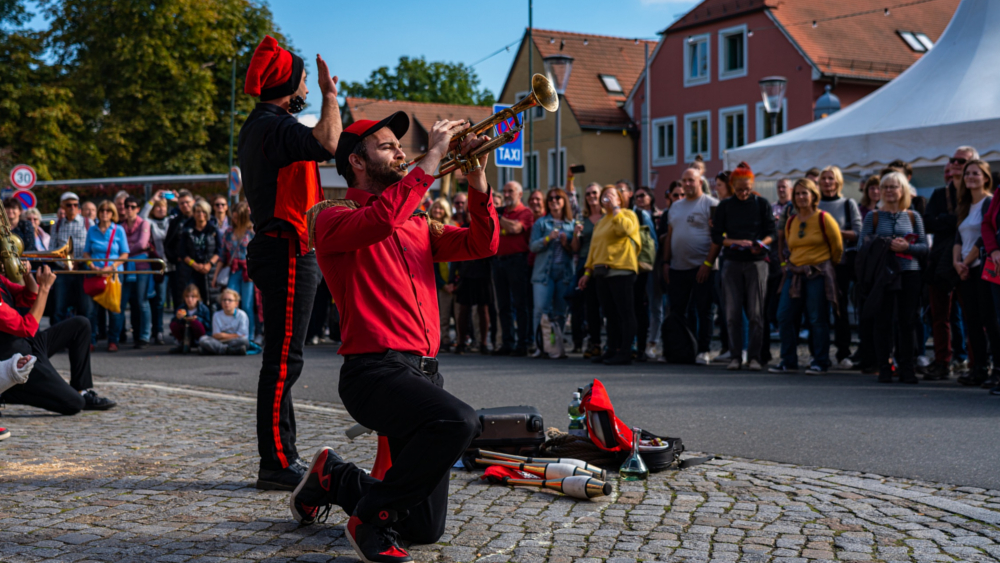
{"x": 742, "y": 171}
{"x": 272, "y": 71}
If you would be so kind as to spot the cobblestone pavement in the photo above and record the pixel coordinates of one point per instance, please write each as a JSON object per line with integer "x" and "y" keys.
{"x": 167, "y": 476}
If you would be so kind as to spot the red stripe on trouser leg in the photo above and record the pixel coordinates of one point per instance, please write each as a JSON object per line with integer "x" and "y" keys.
{"x": 383, "y": 460}
{"x": 283, "y": 362}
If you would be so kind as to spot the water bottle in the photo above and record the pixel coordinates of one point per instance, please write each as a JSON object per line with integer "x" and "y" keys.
{"x": 576, "y": 426}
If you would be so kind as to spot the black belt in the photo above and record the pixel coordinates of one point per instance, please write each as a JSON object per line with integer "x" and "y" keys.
{"x": 426, "y": 364}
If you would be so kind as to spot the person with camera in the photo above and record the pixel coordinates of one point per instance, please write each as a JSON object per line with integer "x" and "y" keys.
{"x": 19, "y": 334}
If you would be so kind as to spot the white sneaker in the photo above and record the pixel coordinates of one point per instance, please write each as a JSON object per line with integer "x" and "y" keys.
{"x": 723, "y": 358}
{"x": 734, "y": 365}
{"x": 651, "y": 351}
{"x": 661, "y": 359}
{"x": 703, "y": 359}
{"x": 754, "y": 366}
{"x": 744, "y": 356}
{"x": 923, "y": 361}
{"x": 537, "y": 353}
{"x": 846, "y": 363}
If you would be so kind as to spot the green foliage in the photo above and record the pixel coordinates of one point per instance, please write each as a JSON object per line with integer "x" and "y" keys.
{"x": 126, "y": 87}
{"x": 416, "y": 80}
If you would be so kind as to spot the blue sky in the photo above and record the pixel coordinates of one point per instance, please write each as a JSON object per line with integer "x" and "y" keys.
{"x": 357, "y": 36}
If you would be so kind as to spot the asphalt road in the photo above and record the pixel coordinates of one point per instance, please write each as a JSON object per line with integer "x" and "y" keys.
{"x": 934, "y": 431}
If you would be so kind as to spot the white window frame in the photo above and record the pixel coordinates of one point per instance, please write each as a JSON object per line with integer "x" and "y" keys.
{"x": 619, "y": 92}
{"x": 761, "y": 115}
{"x": 723, "y": 36}
{"x": 723, "y": 114}
{"x": 539, "y": 110}
{"x": 697, "y": 116}
{"x": 688, "y": 43}
{"x": 550, "y": 169}
{"x": 667, "y": 159}
{"x": 525, "y": 180}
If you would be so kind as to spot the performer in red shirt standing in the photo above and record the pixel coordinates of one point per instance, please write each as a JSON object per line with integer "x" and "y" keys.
{"x": 377, "y": 258}
{"x": 278, "y": 158}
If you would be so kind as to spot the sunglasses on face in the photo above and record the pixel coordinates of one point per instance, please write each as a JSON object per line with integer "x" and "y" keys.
{"x": 556, "y": 198}
{"x": 676, "y": 195}
{"x": 133, "y": 206}
{"x": 954, "y": 160}
{"x": 71, "y": 204}
{"x": 220, "y": 205}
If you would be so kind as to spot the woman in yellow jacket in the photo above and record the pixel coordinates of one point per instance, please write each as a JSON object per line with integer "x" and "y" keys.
{"x": 613, "y": 261}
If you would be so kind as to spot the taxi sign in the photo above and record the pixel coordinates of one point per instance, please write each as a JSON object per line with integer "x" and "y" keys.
{"x": 510, "y": 155}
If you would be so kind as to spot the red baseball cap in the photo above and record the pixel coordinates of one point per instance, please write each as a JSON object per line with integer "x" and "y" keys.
{"x": 398, "y": 123}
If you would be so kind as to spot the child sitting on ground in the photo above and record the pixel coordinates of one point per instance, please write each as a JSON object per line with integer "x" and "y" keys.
{"x": 230, "y": 328}
{"x": 193, "y": 318}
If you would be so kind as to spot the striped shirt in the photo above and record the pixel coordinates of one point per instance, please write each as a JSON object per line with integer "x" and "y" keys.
{"x": 892, "y": 225}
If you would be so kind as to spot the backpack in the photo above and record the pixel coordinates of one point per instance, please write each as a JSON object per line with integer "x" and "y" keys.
{"x": 647, "y": 250}
{"x": 679, "y": 345}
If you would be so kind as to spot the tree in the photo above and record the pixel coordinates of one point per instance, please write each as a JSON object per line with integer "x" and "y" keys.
{"x": 416, "y": 80}
{"x": 151, "y": 80}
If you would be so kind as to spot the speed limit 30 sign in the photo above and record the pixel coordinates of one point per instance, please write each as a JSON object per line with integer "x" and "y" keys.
{"x": 23, "y": 177}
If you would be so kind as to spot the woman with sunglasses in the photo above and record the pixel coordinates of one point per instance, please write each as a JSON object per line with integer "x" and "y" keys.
{"x": 899, "y": 307}
{"x": 106, "y": 238}
{"x": 585, "y": 304}
{"x": 552, "y": 274}
{"x": 813, "y": 238}
{"x": 220, "y": 213}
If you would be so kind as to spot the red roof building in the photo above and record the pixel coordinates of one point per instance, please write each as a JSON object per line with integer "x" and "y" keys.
{"x": 704, "y": 73}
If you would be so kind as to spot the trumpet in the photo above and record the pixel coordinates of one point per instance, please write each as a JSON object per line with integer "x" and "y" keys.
{"x": 65, "y": 254}
{"x": 542, "y": 94}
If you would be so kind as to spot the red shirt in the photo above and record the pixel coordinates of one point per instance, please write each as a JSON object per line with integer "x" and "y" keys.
{"x": 378, "y": 263}
{"x": 11, "y": 321}
{"x": 511, "y": 243}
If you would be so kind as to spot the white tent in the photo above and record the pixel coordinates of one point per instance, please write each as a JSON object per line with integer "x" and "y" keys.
{"x": 948, "y": 98}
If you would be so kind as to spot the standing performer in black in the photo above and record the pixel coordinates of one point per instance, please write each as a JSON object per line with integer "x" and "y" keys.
{"x": 278, "y": 157}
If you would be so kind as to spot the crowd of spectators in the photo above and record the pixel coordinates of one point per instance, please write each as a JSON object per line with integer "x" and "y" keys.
{"x": 839, "y": 283}
{"x": 605, "y": 269}
{"x": 205, "y": 281}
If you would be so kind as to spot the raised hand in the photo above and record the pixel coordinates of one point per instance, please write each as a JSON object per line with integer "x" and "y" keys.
{"x": 327, "y": 84}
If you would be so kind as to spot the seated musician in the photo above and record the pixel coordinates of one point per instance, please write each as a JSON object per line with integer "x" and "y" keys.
{"x": 19, "y": 333}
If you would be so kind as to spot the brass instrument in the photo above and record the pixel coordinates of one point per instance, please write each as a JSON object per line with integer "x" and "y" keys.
{"x": 542, "y": 94}
{"x": 11, "y": 247}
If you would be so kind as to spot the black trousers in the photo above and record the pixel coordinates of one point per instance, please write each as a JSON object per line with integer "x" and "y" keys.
{"x": 287, "y": 282}
{"x": 693, "y": 301}
{"x": 320, "y": 311}
{"x": 45, "y": 388}
{"x": 640, "y": 299}
{"x": 842, "y": 320}
{"x": 617, "y": 302}
{"x": 428, "y": 430}
{"x": 586, "y": 308}
{"x": 512, "y": 281}
{"x": 980, "y": 320}
{"x": 898, "y": 316}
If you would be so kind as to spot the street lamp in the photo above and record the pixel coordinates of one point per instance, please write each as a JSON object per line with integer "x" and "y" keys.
{"x": 772, "y": 90}
{"x": 827, "y": 104}
{"x": 557, "y": 69}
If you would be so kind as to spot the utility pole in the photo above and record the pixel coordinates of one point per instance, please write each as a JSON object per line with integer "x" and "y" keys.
{"x": 531, "y": 112}
{"x": 232, "y": 112}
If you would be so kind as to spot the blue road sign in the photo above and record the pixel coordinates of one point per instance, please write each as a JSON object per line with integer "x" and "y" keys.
{"x": 510, "y": 155}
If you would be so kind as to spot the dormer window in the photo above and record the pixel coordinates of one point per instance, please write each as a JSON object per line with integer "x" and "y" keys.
{"x": 611, "y": 84}
{"x": 918, "y": 42}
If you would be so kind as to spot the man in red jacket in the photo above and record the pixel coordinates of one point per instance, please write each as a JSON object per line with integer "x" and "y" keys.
{"x": 377, "y": 257}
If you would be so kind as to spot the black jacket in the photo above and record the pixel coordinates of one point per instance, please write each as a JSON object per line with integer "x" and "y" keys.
{"x": 173, "y": 245}
{"x": 878, "y": 271}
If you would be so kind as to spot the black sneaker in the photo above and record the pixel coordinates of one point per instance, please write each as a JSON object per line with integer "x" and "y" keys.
{"x": 816, "y": 369}
{"x": 937, "y": 371}
{"x": 375, "y": 544}
{"x": 140, "y": 345}
{"x": 782, "y": 368}
{"x": 280, "y": 479}
{"x": 94, "y": 402}
{"x": 519, "y": 352}
{"x": 240, "y": 350}
{"x": 502, "y": 351}
{"x": 306, "y": 500}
